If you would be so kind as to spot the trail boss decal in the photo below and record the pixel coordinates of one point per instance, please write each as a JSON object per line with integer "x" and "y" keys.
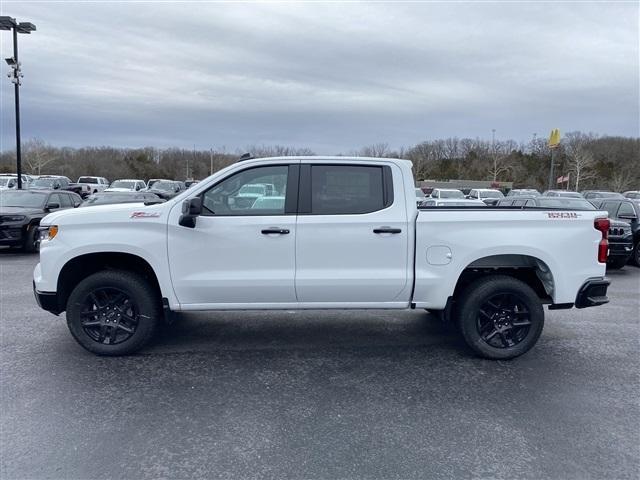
{"x": 563, "y": 215}
{"x": 145, "y": 215}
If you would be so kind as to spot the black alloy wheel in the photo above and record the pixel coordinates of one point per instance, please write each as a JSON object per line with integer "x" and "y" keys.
{"x": 109, "y": 316}
{"x": 503, "y": 320}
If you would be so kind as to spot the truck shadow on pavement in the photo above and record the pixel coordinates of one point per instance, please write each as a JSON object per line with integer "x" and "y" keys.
{"x": 305, "y": 330}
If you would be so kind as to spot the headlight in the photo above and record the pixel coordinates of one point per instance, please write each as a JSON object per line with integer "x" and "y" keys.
{"x": 48, "y": 233}
{"x": 13, "y": 218}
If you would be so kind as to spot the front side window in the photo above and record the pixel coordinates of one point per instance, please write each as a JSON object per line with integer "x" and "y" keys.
{"x": 611, "y": 208}
{"x": 65, "y": 201}
{"x": 345, "y": 189}
{"x": 626, "y": 209}
{"x": 256, "y": 191}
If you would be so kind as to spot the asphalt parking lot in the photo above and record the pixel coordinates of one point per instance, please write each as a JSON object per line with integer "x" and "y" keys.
{"x": 365, "y": 394}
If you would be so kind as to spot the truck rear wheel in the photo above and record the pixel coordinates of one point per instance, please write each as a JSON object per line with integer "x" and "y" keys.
{"x": 113, "y": 312}
{"x": 500, "y": 317}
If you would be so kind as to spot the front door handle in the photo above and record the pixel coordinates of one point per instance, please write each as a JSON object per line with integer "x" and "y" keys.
{"x": 275, "y": 230}
{"x": 387, "y": 230}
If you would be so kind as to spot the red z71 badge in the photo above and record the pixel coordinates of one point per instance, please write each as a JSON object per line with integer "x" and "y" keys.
{"x": 144, "y": 215}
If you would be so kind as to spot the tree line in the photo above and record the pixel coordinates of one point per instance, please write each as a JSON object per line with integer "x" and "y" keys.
{"x": 590, "y": 161}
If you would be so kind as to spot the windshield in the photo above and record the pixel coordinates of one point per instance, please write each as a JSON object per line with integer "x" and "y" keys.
{"x": 22, "y": 198}
{"x": 451, "y": 194}
{"x": 4, "y": 181}
{"x": 87, "y": 180}
{"x": 568, "y": 203}
{"x": 491, "y": 194}
{"x": 167, "y": 186}
{"x": 516, "y": 193}
{"x": 123, "y": 184}
{"x": 606, "y": 195}
{"x": 44, "y": 182}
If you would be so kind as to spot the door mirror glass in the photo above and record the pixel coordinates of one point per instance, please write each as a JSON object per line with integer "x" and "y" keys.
{"x": 52, "y": 206}
{"x": 191, "y": 209}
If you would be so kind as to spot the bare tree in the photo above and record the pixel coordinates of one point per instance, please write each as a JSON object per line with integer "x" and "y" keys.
{"x": 581, "y": 164}
{"x": 37, "y": 155}
{"x": 375, "y": 150}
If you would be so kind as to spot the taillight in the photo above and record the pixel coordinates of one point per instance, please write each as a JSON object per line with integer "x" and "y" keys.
{"x": 602, "y": 224}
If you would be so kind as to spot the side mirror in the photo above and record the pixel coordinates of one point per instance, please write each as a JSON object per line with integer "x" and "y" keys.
{"x": 56, "y": 186}
{"x": 191, "y": 209}
{"x": 52, "y": 206}
{"x": 137, "y": 188}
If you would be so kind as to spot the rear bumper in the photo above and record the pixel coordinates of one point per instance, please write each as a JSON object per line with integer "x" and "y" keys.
{"x": 593, "y": 293}
{"x": 47, "y": 300}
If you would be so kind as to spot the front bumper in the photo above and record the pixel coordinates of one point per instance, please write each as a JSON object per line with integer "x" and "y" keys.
{"x": 47, "y": 300}
{"x": 11, "y": 234}
{"x": 621, "y": 248}
{"x": 593, "y": 293}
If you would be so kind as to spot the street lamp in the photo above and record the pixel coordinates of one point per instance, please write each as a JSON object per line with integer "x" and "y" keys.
{"x": 8, "y": 23}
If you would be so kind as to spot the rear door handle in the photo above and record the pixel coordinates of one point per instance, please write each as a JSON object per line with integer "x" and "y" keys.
{"x": 387, "y": 230}
{"x": 275, "y": 230}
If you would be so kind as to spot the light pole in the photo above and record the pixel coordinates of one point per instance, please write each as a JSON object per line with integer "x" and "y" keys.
{"x": 8, "y": 23}
{"x": 495, "y": 158}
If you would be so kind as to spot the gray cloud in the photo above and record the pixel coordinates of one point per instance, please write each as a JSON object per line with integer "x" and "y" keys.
{"x": 329, "y": 76}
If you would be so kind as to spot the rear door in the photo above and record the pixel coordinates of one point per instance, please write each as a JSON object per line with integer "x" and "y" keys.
{"x": 352, "y": 237}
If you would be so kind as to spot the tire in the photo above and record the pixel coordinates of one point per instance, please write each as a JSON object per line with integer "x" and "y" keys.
{"x": 113, "y": 312}
{"x": 32, "y": 240}
{"x": 616, "y": 264}
{"x": 635, "y": 258}
{"x": 500, "y": 333}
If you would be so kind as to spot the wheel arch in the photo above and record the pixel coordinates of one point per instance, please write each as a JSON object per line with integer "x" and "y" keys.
{"x": 78, "y": 268}
{"x": 529, "y": 269}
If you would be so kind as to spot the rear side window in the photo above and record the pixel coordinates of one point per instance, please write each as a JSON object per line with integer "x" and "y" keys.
{"x": 348, "y": 189}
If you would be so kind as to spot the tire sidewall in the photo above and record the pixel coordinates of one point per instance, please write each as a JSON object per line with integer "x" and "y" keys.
{"x": 482, "y": 290}
{"x": 138, "y": 291}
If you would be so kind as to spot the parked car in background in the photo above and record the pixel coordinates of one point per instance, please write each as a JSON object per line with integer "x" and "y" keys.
{"x": 452, "y": 202}
{"x": 489, "y": 196}
{"x": 26, "y": 179}
{"x": 517, "y": 192}
{"x": 93, "y": 184}
{"x": 166, "y": 188}
{"x": 7, "y": 183}
{"x": 110, "y": 198}
{"x": 22, "y": 210}
{"x": 593, "y": 194}
{"x": 568, "y": 203}
{"x": 620, "y": 236}
{"x": 562, "y": 193}
{"x": 58, "y": 182}
{"x": 632, "y": 194}
{"x": 628, "y": 211}
{"x": 191, "y": 183}
{"x": 446, "y": 193}
{"x": 154, "y": 180}
{"x": 126, "y": 185}
{"x": 420, "y": 196}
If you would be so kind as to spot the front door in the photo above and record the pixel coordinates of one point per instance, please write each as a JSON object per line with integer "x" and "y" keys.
{"x": 242, "y": 249}
{"x": 352, "y": 237}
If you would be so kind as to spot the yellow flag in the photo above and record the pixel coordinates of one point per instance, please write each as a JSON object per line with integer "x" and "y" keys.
{"x": 554, "y": 138}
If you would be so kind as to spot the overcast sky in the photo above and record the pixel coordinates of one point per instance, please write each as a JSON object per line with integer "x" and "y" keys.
{"x": 332, "y": 77}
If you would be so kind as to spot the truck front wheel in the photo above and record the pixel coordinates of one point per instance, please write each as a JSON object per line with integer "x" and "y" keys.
{"x": 500, "y": 317}
{"x": 113, "y": 312}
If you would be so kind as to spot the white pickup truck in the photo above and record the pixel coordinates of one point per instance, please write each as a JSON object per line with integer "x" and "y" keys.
{"x": 336, "y": 233}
